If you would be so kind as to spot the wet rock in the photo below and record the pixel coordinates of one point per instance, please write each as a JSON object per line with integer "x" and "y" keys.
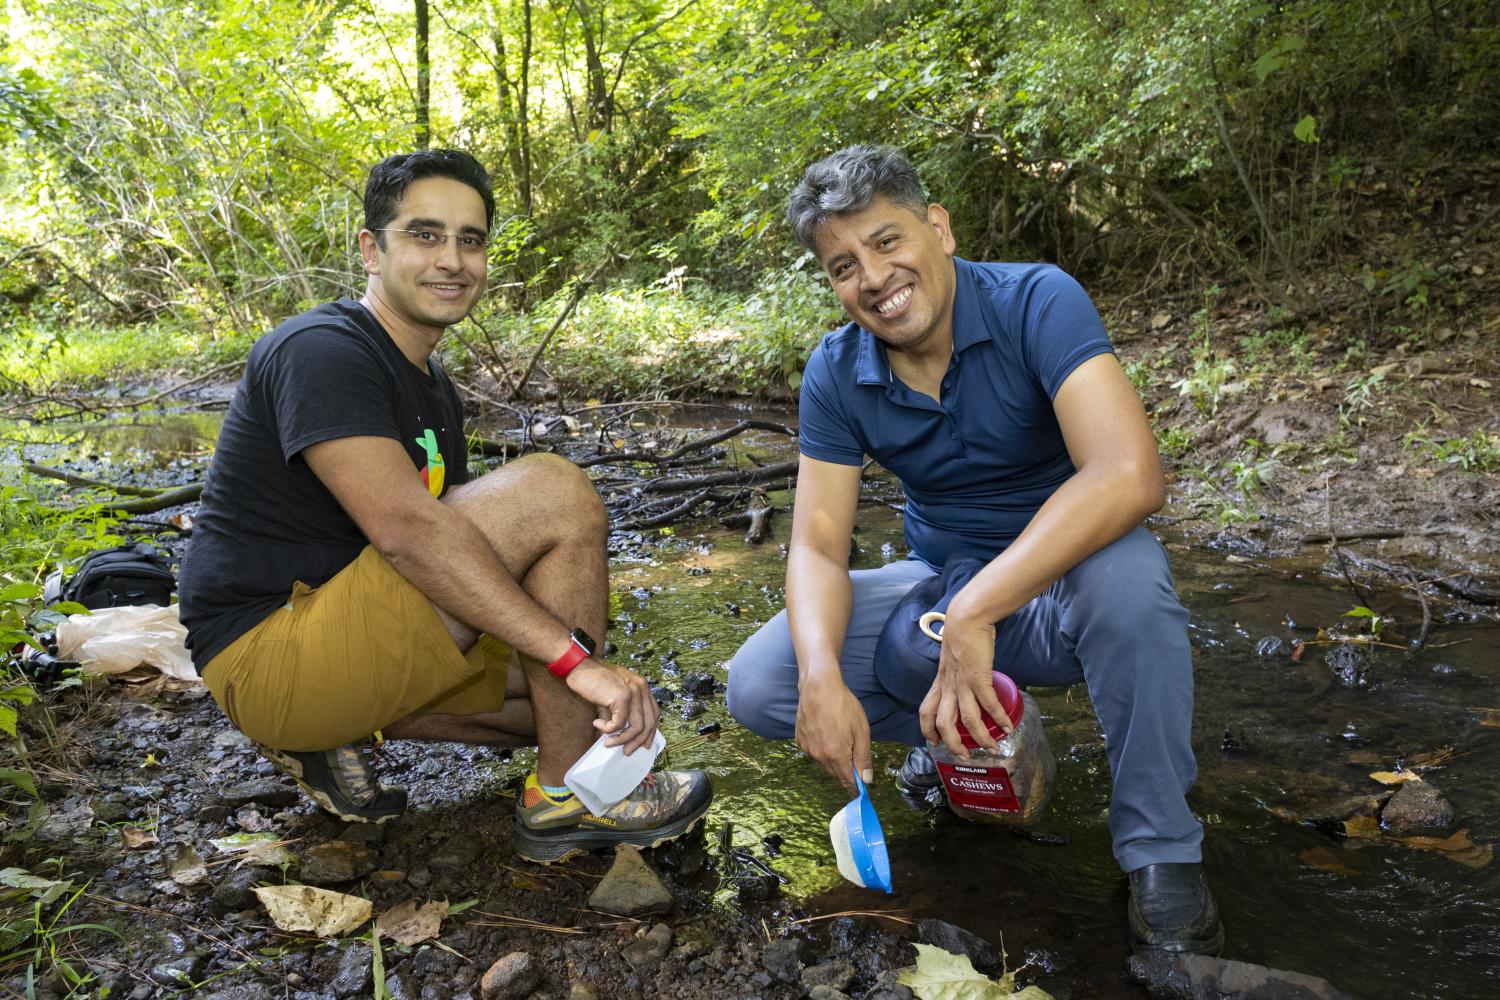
{"x": 646, "y": 952}
{"x": 400, "y": 986}
{"x": 354, "y": 973}
{"x": 181, "y": 971}
{"x": 631, "y": 888}
{"x": 756, "y": 888}
{"x": 216, "y": 813}
{"x": 1333, "y": 815}
{"x": 887, "y": 988}
{"x": 336, "y": 861}
{"x": 1199, "y": 977}
{"x": 958, "y": 941}
{"x": 783, "y": 959}
{"x": 1349, "y": 664}
{"x": 109, "y": 808}
{"x": 265, "y": 792}
{"x": 73, "y": 818}
{"x": 835, "y": 973}
{"x": 1417, "y": 807}
{"x": 692, "y": 708}
{"x": 698, "y": 684}
{"x": 1272, "y": 647}
{"x": 511, "y": 978}
{"x": 370, "y": 835}
{"x": 244, "y": 991}
{"x": 663, "y": 694}
{"x": 236, "y": 892}
{"x": 826, "y": 993}
{"x": 1444, "y": 669}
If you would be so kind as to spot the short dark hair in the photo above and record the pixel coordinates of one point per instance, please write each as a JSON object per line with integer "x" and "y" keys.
{"x": 847, "y": 181}
{"x": 390, "y": 178}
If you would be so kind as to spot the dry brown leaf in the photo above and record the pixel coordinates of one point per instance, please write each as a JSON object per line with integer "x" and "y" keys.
{"x": 1394, "y": 777}
{"x": 187, "y": 868}
{"x": 410, "y": 923}
{"x": 1458, "y": 847}
{"x": 1325, "y": 860}
{"x": 1364, "y": 758}
{"x": 1488, "y": 717}
{"x": 134, "y": 837}
{"x": 321, "y": 911}
{"x": 1362, "y": 827}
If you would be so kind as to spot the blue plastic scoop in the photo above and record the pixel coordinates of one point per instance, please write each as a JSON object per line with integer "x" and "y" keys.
{"x": 859, "y": 842}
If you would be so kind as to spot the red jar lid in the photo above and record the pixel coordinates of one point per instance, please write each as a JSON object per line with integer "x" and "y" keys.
{"x": 1010, "y": 701}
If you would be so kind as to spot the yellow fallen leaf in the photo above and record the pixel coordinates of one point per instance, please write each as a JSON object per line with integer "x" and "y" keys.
{"x": 409, "y": 923}
{"x": 1325, "y": 860}
{"x": 1459, "y": 847}
{"x": 1479, "y": 383}
{"x": 1362, "y": 827}
{"x": 321, "y": 911}
{"x": 1394, "y": 777}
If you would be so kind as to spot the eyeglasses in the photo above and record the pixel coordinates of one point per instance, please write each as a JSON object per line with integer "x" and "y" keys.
{"x": 428, "y": 239}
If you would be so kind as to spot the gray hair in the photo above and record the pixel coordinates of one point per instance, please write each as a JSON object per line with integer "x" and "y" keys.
{"x": 847, "y": 181}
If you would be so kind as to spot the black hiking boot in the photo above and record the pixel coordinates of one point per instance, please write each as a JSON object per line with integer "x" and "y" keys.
{"x": 918, "y": 775}
{"x": 1171, "y": 909}
{"x": 341, "y": 781}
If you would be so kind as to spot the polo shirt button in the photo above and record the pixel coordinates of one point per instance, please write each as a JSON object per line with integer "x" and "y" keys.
{"x": 953, "y": 436}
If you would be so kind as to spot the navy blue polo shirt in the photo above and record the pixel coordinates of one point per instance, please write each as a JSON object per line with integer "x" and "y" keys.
{"x": 977, "y": 465}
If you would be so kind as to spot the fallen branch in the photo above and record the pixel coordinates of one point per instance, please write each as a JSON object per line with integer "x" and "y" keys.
{"x": 782, "y": 470}
{"x": 579, "y": 290}
{"x": 159, "y": 501}
{"x": 690, "y": 446}
{"x": 72, "y": 479}
{"x": 671, "y": 514}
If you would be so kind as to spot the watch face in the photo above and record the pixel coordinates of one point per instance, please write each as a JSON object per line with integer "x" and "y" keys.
{"x": 585, "y": 640}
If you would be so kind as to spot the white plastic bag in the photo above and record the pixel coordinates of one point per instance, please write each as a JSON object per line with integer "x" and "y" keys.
{"x": 117, "y": 640}
{"x": 605, "y": 775}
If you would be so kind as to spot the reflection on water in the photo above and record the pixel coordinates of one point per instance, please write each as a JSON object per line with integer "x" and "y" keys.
{"x": 1377, "y": 917}
{"x": 137, "y": 440}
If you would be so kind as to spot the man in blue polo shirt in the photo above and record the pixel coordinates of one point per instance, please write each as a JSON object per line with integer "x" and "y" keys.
{"x": 992, "y": 392}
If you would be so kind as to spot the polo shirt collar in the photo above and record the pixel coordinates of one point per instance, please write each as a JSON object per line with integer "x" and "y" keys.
{"x": 970, "y": 327}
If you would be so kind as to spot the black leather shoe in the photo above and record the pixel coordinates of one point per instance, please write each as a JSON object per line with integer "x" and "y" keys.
{"x": 918, "y": 774}
{"x": 1172, "y": 909}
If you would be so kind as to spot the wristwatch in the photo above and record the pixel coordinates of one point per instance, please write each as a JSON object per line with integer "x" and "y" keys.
{"x": 580, "y": 647}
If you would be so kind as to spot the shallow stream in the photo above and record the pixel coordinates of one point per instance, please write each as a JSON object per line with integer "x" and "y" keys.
{"x": 1275, "y": 738}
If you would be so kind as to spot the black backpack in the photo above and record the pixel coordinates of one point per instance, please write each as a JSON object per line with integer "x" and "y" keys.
{"x": 108, "y": 578}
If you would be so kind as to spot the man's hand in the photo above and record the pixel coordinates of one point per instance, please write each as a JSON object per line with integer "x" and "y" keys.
{"x": 963, "y": 688}
{"x": 834, "y": 731}
{"x": 626, "y": 708}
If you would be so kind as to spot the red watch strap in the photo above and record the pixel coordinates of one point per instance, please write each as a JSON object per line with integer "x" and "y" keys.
{"x": 572, "y": 656}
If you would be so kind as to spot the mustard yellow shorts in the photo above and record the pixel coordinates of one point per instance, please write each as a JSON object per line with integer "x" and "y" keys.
{"x": 340, "y": 661}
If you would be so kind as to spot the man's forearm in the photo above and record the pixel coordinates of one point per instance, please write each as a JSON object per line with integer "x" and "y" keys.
{"x": 1088, "y": 512}
{"x": 819, "y": 599}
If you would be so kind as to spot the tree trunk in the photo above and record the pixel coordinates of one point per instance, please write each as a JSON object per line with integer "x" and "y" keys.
{"x": 424, "y": 131}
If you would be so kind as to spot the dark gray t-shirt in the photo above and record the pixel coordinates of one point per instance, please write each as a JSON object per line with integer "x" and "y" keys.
{"x": 266, "y": 521}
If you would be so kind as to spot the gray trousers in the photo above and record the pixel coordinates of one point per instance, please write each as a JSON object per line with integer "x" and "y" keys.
{"x": 1113, "y": 622}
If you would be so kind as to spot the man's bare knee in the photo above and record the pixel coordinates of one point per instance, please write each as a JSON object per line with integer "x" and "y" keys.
{"x": 549, "y": 495}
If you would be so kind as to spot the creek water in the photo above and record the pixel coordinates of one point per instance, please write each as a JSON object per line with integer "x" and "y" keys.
{"x": 1377, "y": 915}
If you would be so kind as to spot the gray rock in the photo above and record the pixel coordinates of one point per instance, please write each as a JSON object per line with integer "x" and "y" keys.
{"x": 457, "y": 853}
{"x": 1349, "y": 664}
{"x": 432, "y": 990}
{"x": 336, "y": 861}
{"x": 261, "y": 791}
{"x": 826, "y": 993}
{"x": 400, "y": 986}
{"x": 959, "y": 942}
{"x": 355, "y": 974}
{"x": 886, "y": 987}
{"x": 1417, "y": 807}
{"x": 511, "y": 978}
{"x": 1199, "y": 977}
{"x": 181, "y": 971}
{"x": 631, "y": 888}
{"x": 236, "y": 892}
{"x": 783, "y": 959}
{"x": 835, "y": 973}
{"x": 646, "y": 952}
{"x": 244, "y": 991}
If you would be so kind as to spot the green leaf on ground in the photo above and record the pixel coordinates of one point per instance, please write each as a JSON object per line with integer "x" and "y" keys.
{"x": 941, "y": 975}
{"x": 20, "y": 779}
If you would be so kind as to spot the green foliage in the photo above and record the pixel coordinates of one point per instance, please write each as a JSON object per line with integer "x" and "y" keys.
{"x": 1476, "y": 452}
{"x": 1175, "y": 441}
{"x": 36, "y": 937}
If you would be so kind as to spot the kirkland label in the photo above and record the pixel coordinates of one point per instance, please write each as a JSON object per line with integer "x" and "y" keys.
{"x": 983, "y": 789}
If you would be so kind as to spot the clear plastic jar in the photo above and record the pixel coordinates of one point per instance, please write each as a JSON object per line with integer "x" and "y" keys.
{"x": 1010, "y": 787}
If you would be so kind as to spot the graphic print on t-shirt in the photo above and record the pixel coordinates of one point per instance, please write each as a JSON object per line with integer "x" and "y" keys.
{"x": 432, "y": 475}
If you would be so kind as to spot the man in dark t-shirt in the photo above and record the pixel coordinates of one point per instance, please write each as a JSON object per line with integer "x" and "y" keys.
{"x": 346, "y": 578}
{"x": 992, "y": 392}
